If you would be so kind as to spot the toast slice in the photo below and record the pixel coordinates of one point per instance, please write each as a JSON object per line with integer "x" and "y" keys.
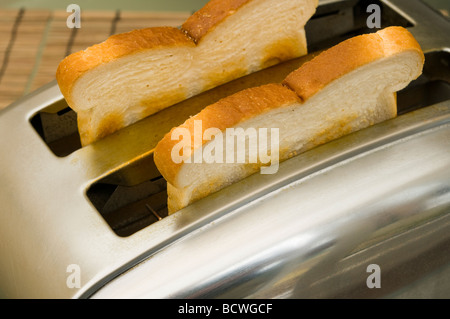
{"x": 344, "y": 89}
{"x": 133, "y": 75}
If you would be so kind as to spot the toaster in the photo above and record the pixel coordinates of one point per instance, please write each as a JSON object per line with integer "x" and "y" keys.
{"x": 364, "y": 216}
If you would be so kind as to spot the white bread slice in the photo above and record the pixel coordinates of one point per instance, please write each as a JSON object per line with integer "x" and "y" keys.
{"x": 133, "y": 75}
{"x": 344, "y": 89}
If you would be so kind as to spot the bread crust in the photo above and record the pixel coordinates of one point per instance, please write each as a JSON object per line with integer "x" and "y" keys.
{"x": 348, "y": 56}
{"x": 298, "y": 86}
{"x": 205, "y": 19}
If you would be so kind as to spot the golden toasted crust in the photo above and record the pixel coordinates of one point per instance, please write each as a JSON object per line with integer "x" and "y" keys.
{"x": 227, "y": 112}
{"x": 398, "y": 39}
{"x": 297, "y": 87}
{"x": 205, "y": 19}
{"x": 348, "y": 56}
{"x": 116, "y": 46}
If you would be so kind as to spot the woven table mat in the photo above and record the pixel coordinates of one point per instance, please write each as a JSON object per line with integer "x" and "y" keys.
{"x": 33, "y": 42}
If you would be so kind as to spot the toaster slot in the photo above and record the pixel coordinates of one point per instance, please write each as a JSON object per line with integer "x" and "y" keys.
{"x": 426, "y": 93}
{"x": 432, "y": 87}
{"x": 57, "y": 126}
{"x": 131, "y": 198}
{"x": 128, "y": 209}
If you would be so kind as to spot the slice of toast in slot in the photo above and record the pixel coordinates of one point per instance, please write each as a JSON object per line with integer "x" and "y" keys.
{"x": 344, "y": 89}
{"x": 133, "y": 75}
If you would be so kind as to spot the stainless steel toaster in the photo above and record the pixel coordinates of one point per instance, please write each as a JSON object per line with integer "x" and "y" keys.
{"x": 364, "y": 216}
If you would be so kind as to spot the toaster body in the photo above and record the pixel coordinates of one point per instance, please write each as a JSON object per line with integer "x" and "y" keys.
{"x": 364, "y": 216}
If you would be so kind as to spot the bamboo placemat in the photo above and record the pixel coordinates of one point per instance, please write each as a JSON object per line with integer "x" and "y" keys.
{"x": 33, "y": 42}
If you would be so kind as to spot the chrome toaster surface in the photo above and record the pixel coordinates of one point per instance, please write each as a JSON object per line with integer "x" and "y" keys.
{"x": 380, "y": 197}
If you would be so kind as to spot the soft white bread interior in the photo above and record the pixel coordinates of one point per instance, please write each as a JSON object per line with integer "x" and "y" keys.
{"x": 344, "y": 89}
{"x": 133, "y": 75}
